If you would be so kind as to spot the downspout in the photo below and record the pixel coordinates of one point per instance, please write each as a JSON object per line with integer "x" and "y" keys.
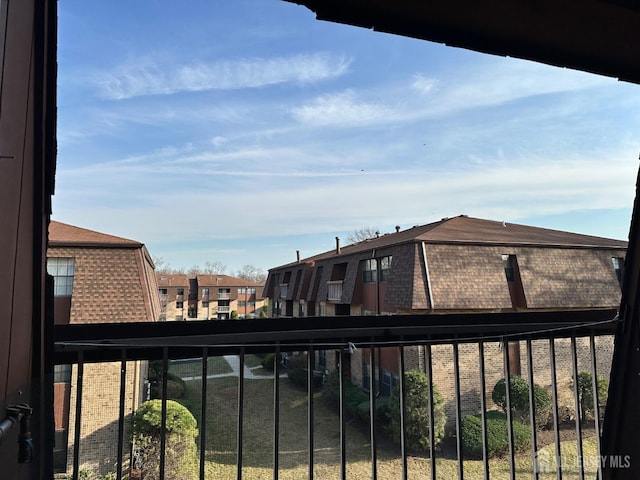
{"x": 373, "y": 256}
{"x": 428, "y": 277}
{"x": 423, "y": 357}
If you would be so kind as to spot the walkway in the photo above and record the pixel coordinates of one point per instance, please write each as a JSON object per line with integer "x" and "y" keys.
{"x": 234, "y": 364}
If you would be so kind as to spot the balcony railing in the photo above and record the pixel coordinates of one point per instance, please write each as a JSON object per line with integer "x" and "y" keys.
{"x": 224, "y": 296}
{"x": 223, "y": 309}
{"x": 257, "y": 423}
{"x": 334, "y": 290}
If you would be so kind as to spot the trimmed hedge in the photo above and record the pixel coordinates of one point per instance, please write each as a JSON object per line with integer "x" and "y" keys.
{"x": 497, "y": 435}
{"x": 175, "y": 385}
{"x": 520, "y": 400}
{"x": 181, "y": 453}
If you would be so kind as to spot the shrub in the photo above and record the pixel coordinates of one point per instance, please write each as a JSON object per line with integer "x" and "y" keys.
{"x": 353, "y": 395}
{"x": 497, "y": 435}
{"x": 175, "y": 385}
{"x": 382, "y": 412}
{"x": 299, "y": 377}
{"x": 268, "y": 361}
{"x": 585, "y": 393}
{"x": 181, "y": 456}
{"x": 520, "y": 399}
{"x": 417, "y": 414}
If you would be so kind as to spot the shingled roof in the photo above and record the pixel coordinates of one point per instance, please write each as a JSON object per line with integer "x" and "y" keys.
{"x": 114, "y": 278}
{"x": 62, "y": 234}
{"x": 475, "y": 231}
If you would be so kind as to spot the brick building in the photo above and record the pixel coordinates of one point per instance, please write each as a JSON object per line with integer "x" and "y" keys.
{"x": 458, "y": 264}
{"x": 98, "y": 278}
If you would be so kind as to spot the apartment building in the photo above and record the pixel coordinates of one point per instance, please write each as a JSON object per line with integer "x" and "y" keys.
{"x": 459, "y": 264}
{"x": 98, "y": 278}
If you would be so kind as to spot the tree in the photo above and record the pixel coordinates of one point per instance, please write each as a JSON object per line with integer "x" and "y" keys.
{"x": 417, "y": 412}
{"x": 194, "y": 271}
{"x": 159, "y": 262}
{"x": 252, "y": 274}
{"x": 214, "y": 268}
{"x": 361, "y": 234}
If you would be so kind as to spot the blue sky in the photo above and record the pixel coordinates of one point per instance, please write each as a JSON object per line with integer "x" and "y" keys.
{"x": 240, "y": 131}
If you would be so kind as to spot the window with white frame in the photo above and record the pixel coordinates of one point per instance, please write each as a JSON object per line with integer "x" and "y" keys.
{"x": 370, "y": 271}
{"x": 385, "y": 267}
{"x": 62, "y": 270}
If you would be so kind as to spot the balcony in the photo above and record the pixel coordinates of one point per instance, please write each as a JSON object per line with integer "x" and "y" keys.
{"x": 223, "y": 309}
{"x": 224, "y": 296}
{"x": 334, "y": 290}
{"x": 256, "y": 423}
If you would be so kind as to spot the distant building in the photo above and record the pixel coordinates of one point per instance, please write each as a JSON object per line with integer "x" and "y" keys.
{"x": 98, "y": 278}
{"x": 219, "y": 295}
{"x": 209, "y": 297}
{"x": 458, "y": 264}
{"x": 174, "y": 295}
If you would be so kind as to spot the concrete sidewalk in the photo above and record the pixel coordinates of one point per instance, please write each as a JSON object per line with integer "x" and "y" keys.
{"x": 234, "y": 363}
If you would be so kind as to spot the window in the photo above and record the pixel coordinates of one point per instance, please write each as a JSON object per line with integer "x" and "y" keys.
{"x": 205, "y": 292}
{"x": 322, "y": 358}
{"x": 618, "y": 266}
{"x": 251, "y": 291}
{"x": 181, "y": 291}
{"x": 385, "y": 266}
{"x": 365, "y": 376}
{"x": 508, "y": 261}
{"x": 370, "y": 271}
{"x": 242, "y": 291}
{"x": 163, "y": 291}
{"x": 62, "y": 374}
{"x": 205, "y": 303}
{"x": 62, "y": 271}
{"x": 388, "y": 381}
{"x": 242, "y": 303}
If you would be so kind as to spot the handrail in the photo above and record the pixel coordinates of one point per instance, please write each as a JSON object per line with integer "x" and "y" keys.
{"x": 100, "y": 342}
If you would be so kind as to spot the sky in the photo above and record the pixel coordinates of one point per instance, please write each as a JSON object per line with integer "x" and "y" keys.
{"x": 240, "y": 131}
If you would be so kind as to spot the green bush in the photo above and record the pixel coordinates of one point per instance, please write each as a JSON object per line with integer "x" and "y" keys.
{"x": 585, "y": 394}
{"x": 268, "y": 361}
{"x": 299, "y": 377}
{"x": 497, "y": 436}
{"x": 382, "y": 412}
{"x": 417, "y": 414}
{"x": 520, "y": 400}
{"x": 181, "y": 455}
{"x": 353, "y": 395}
{"x": 175, "y": 385}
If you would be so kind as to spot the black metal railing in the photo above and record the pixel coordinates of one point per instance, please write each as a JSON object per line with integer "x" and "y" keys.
{"x": 462, "y": 355}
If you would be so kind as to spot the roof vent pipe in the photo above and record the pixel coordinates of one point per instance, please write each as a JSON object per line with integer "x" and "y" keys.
{"x": 397, "y": 228}
{"x": 298, "y": 256}
{"x": 337, "y": 245}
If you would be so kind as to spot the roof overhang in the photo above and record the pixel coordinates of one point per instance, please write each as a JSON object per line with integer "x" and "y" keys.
{"x": 598, "y": 36}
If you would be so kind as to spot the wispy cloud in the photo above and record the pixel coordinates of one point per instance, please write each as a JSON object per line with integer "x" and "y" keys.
{"x": 149, "y": 77}
{"x": 341, "y": 109}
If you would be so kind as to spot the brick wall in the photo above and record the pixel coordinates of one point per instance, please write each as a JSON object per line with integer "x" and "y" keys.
{"x": 100, "y": 410}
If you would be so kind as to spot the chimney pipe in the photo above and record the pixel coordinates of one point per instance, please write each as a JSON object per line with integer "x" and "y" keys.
{"x": 298, "y": 256}
{"x": 337, "y": 245}
{"x": 397, "y": 228}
